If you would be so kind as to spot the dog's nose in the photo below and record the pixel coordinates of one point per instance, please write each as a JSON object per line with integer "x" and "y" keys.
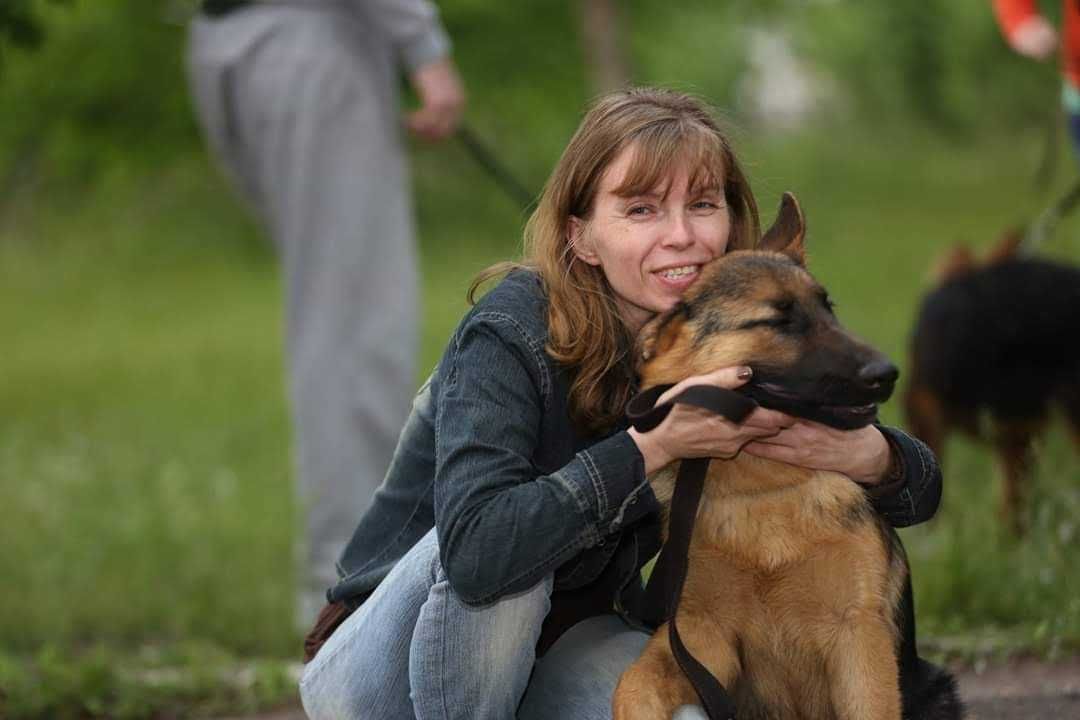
{"x": 878, "y": 373}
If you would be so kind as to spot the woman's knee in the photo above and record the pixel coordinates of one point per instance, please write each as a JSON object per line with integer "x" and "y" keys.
{"x": 516, "y": 622}
{"x": 492, "y": 634}
{"x": 577, "y": 677}
{"x": 363, "y": 669}
{"x": 476, "y": 658}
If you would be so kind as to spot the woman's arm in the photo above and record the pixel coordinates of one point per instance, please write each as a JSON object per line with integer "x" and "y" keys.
{"x": 911, "y": 492}
{"x": 502, "y": 525}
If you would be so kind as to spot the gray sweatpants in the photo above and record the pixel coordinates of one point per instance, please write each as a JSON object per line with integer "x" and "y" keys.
{"x": 301, "y": 108}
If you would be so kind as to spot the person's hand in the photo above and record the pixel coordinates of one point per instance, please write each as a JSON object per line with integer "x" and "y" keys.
{"x": 1035, "y": 38}
{"x": 691, "y": 432}
{"x": 442, "y": 99}
{"x": 863, "y": 455}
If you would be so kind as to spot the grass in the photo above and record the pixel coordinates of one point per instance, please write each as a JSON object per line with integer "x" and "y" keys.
{"x": 144, "y": 442}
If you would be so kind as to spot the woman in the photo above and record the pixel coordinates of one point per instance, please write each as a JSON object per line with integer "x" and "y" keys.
{"x": 517, "y": 500}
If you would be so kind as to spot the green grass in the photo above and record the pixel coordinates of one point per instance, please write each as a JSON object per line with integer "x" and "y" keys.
{"x": 144, "y": 442}
{"x": 189, "y": 679}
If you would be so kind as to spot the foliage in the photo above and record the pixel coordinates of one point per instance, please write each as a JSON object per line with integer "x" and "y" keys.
{"x": 943, "y": 64}
{"x": 106, "y": 89}
{"x": 20, "y": 25}
{"x": 109, "y": 88}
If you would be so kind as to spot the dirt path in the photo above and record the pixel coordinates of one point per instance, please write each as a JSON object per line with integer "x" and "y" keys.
{"x": 1021, "y": 690}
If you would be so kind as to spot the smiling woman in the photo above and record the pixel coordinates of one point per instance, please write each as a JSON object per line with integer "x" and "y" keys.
{"x": 517, "y": 504}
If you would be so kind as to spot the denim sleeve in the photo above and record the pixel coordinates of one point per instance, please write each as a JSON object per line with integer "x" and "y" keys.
{"x": 915, "y": 496}
{"x": 502, "y": 525}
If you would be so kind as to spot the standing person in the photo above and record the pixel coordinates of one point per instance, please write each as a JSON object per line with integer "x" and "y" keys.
{"x": 299, "y": 101}
{"x": 1031, "y": 34}
{"x": 517, "y": 503}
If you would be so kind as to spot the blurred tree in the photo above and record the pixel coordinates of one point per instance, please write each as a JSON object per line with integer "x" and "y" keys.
{"x": 20, "y": 23}
{"x": 106, "y": 87}
{"x": 605, "y": 56}
{"x": 918, "y": 34}
{"x": 937, "y": 63}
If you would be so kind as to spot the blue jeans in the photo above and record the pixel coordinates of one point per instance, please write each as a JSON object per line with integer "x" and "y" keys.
{"x": 414, "y": 650}
{"x": 577, "y": 677}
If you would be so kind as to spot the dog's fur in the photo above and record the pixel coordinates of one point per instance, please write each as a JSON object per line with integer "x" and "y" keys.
{"x": 798, "y": 594}
{"x": 997, "y": 340}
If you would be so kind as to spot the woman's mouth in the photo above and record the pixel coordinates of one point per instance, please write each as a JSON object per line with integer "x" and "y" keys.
{"x": 678, "y": 277}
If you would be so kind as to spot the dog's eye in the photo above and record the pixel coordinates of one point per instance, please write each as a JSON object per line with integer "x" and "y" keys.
{"x": 782, "y": 321}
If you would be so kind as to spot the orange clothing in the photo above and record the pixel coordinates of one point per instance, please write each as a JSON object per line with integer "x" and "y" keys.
{"x": 1011, "y": 14}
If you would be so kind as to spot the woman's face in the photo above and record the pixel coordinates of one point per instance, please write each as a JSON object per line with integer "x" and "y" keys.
{"x": 651, "y": 246}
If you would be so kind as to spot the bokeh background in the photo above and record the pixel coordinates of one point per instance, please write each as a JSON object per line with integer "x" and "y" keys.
{"x": 146, "y": 506}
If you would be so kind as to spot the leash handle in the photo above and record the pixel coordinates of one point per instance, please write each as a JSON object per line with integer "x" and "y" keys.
{"x": 669, "y": 574}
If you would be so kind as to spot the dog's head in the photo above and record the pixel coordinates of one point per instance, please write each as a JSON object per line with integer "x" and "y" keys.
{"x": 763, "y": 309}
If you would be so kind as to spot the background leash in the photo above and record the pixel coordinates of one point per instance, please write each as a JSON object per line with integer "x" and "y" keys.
{"x": 498, "y": 172}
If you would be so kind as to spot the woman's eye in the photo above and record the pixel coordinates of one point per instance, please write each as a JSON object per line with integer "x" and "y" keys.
{"x": 639, "y": 210}
{"x": 705, "y": 205}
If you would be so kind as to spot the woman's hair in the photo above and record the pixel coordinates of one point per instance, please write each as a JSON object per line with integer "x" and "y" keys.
{"x": 585, "y": 330}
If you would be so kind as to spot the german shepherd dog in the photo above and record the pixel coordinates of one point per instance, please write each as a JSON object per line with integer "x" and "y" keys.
{"x": 798, "y": 597}
{"x": 998, "y": 339}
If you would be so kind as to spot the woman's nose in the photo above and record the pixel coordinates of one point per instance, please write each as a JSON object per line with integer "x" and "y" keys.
{"x": 679, "y": 232}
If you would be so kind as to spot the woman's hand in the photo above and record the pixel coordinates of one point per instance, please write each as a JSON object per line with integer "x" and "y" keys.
{"x": 690, "y": 432}
{"x": 863, "y": 455}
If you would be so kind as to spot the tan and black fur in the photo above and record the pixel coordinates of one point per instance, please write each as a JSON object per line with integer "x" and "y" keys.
{"x": 798, "y": 594}
{"x": 995, "y": 346}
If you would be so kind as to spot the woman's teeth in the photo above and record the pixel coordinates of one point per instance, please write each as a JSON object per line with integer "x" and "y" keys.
{"x": 672, "y": 273}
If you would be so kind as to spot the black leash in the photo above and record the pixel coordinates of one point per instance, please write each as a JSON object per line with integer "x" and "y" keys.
{"x": 1045, "y": 224}
{"x": 669, "y": 574}
{"x": 491, "y": 165}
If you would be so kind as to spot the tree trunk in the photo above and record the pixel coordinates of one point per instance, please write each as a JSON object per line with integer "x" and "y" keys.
{"x": 605, "y": 59}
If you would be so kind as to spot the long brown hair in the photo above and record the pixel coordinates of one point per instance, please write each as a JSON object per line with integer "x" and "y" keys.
{"x": 585, "y": 330}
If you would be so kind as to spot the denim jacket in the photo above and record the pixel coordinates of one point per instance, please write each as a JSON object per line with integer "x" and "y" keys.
{"x": 490, "y": 457}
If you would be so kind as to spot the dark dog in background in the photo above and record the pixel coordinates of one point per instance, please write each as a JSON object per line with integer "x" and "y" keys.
{"x": 996, "y": 344}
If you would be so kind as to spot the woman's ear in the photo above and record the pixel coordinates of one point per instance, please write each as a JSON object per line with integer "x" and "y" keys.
{"x": 580, "y": 242}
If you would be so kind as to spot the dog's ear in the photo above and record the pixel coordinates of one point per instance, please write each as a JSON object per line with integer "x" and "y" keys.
{"x": 659, "y": 334}
{"x": 788, "y": 232}
{"x": 959, "y": 260}
{"x": 1007, "y": 248}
